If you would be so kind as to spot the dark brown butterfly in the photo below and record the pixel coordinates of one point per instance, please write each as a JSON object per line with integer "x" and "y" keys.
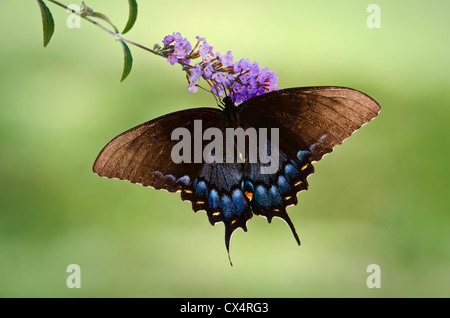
{"x": 310, "y": 121}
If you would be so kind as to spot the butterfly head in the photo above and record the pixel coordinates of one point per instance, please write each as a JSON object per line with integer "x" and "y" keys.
{"x": 228, "y": 102}
{"x": 229, "y": 108}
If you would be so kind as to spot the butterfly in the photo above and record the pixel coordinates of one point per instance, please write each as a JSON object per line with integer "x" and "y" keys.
{"x": 309, "y": 122}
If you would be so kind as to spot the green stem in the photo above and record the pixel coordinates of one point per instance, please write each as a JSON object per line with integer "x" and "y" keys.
{"x": 118, "y": 36}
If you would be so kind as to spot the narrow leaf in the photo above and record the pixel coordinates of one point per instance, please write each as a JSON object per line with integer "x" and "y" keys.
{"x": 48, "y": 25}
{"x": 104, "y": 18}
{"x": 127, "y": 61}
{"x": 132, "y": 16}
{"x": 85, "y": 10}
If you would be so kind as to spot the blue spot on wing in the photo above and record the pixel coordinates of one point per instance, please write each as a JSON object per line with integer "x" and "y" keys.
{"x": 227, "y": 206}
{"x": 261, "y": 198}
{"x": 291, "y": 172}
{"x": 214, "y": 200}
{"x": 233, "y": 206}
{"x": 201, "y": 190}
{"x": 283, "y": 185}
{"x": 302, "y": 154}
{"x": 183, "y": 180}
{"x": 240, "y": 202}
{"x": 275, "y": 197}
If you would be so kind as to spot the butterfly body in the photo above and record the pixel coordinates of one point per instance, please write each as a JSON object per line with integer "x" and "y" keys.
{"x": 304, "y": 124}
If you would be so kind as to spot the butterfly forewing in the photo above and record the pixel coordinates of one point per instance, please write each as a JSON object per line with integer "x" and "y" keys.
{"x": 321, "y": 117}
{"x": 143, "y": 154}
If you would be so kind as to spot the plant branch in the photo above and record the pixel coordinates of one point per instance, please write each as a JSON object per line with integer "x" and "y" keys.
{"x": 117, "y": 36}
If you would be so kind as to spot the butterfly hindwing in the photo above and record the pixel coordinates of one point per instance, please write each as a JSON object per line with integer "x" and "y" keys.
{"x": 272, "y": 193}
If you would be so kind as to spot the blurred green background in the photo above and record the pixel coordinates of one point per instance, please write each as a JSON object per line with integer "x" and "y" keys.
{"x": 380, "y": 198}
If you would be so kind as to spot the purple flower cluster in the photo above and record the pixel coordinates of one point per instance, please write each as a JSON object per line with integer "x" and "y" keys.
{"x": 241, "y": 80}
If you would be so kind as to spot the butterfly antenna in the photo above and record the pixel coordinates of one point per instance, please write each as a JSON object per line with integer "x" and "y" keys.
{"x": 218, "y": 102}
{"x": 225, "y": 90}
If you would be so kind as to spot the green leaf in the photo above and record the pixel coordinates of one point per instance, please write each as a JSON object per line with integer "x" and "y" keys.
{"x": 48, "y": 24}
{"x": 87, "y": 11}
{"x": 132, "y": 16}
{"x": 104, "y": 18}
{"x": 127, "y": 61}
